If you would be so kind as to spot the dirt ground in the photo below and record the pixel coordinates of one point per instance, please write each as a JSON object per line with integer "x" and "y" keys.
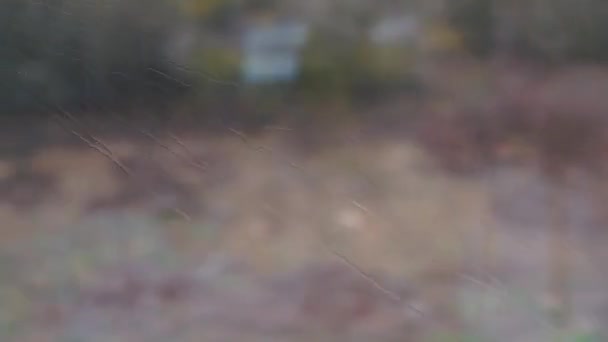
{"x": 233, "y": 237}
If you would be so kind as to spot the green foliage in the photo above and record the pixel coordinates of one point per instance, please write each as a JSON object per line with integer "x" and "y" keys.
{"x": 218, "y": 64}
{"x": 200, "y": 8}
{"x": 326, "y": 71}
{"x": 217, "y": 69}
{"x": 351, "y": 70}
{"x": 213, "y": 14}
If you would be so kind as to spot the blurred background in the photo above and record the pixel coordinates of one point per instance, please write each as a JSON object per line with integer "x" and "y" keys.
{"x": 282, "y": 170}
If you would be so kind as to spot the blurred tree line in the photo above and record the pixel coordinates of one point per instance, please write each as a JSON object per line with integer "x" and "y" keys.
{"x": 114, "y": 52}
{"x": 544, "y": 30}
{"x": 66, "y": 52}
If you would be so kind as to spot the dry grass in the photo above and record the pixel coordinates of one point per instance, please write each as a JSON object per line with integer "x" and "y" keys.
{"x": 391, "y": 213}
{"x": 379, "y": 205}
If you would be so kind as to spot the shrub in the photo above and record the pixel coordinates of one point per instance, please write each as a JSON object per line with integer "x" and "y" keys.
{"x": 352, "y": 71}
